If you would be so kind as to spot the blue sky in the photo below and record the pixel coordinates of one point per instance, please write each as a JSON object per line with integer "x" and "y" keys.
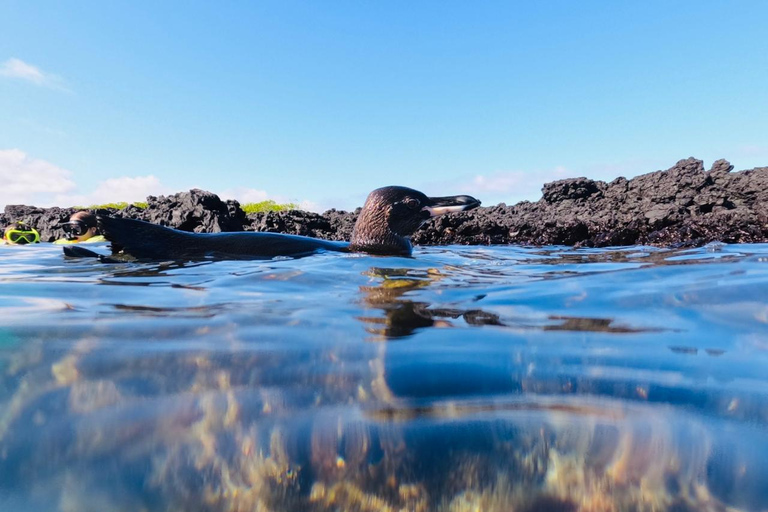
{"x": 321, "y": 102}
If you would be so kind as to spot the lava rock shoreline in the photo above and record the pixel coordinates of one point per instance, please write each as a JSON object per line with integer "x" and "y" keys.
{"x": 683, "y": 206}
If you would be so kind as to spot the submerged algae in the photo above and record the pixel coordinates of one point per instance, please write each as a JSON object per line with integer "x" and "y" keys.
{"x": 493, "y": 379}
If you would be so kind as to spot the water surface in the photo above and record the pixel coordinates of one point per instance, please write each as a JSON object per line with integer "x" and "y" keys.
{"x": 464, "y": 378}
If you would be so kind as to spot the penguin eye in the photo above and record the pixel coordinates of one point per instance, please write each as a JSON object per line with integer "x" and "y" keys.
{"x": 411, "y": 203}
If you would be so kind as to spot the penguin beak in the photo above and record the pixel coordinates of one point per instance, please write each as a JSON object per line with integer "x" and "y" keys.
{"x": 451, "y": 204}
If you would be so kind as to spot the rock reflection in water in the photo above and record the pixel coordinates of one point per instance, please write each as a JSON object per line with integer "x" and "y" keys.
{"x": 402, "y": 317}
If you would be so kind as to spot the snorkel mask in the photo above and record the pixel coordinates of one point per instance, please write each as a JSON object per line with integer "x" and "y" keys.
{"x": 21, "y": 234}
{"x": 75, "y": 228}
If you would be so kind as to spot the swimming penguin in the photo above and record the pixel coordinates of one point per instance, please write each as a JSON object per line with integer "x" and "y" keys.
{"x": 390, "y": 215}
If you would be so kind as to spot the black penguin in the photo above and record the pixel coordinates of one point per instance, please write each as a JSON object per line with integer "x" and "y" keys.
{"x": 390, "y": 215}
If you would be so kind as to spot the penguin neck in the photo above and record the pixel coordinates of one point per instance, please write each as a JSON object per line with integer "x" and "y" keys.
{"x": 373, "y": 235}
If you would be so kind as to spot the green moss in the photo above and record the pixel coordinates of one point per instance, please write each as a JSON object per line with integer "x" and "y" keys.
{"x": 117, "y": 206}
{"x": 263, "y": 206}
{"x": 268, "y": 206}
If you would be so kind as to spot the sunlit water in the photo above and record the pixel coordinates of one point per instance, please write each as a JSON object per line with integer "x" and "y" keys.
{"x": 464, "y": 378}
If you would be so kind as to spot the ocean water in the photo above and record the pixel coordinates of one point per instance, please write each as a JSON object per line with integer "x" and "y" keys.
{"x": 462, "y": 379}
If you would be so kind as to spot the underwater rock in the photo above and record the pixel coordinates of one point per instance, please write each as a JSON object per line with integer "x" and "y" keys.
{"x": 684, "y": 205}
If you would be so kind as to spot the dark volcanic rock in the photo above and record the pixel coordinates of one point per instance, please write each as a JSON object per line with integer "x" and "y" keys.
{"x": 332, "y": 225}
{"x": 573, "y": 188}
{"x": 44, "y": 220}
{"x": 196, "y": 210}
{"x": 342, "y": 223}
{"x": 684, "y": 205}
{"x": 295, "y": 222}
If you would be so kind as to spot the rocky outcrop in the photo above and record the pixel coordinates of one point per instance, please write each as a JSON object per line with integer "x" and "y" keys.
{"x": 44, "y": 220}
{"x": 292, "y": 221}
{"x": 684, "y": 205}
{"x": 196, "y": 210}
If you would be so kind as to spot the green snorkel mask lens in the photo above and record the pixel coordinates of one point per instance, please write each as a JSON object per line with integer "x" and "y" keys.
{"x": 22, "y": 236}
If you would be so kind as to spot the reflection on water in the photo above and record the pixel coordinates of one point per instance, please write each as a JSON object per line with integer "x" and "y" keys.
{"x": 465, "y": 378}
{"x": 403, "y": 317}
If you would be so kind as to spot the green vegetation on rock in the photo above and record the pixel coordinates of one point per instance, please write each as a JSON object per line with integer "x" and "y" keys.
{"x": 268, "y": 206}
{"x": 262, "y": 206}
{"x": 117, "y": 206}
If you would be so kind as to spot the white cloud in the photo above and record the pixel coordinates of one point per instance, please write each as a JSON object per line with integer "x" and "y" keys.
{"x": 17, "y": 68}
{"x": 512, "y": 186}
{"x": 312, "y": 206}
{"x": 36, "y": 182}
{"x": 251, "y": 195}
{"x": 31, "y": 181}
{"x": 124, "y": 189}
{"x": 244, "y": 195}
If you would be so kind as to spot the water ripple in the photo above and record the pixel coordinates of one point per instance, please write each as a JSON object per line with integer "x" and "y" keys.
{"x": 464, "y": 378}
